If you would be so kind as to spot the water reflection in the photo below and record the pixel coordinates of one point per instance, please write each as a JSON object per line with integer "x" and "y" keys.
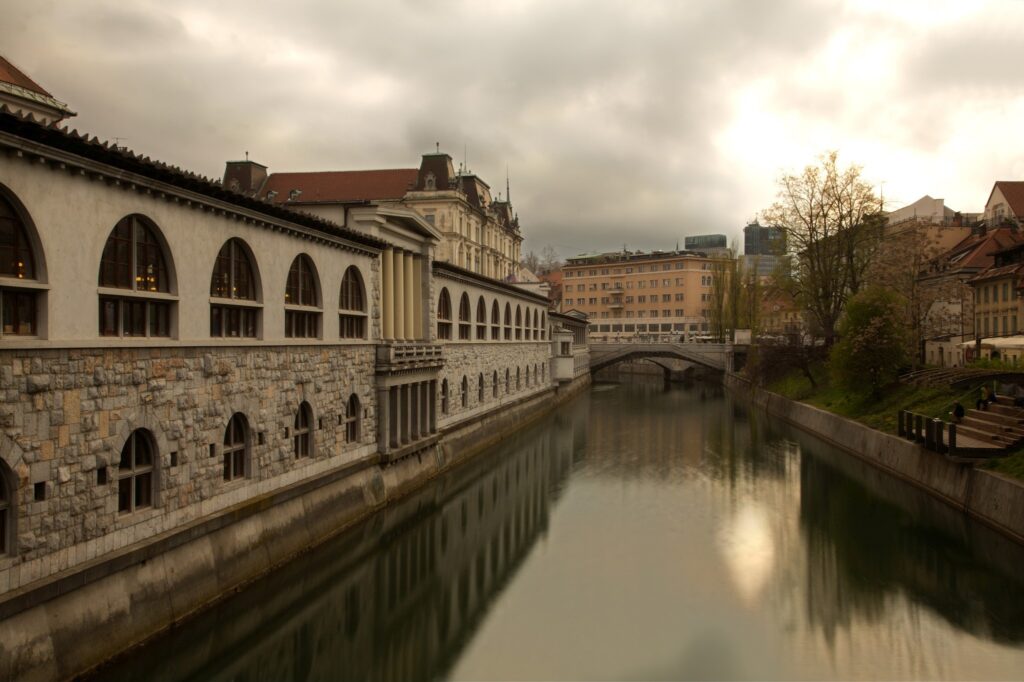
{"x": 394, "y": 599}
{"x": 642, "y": 532}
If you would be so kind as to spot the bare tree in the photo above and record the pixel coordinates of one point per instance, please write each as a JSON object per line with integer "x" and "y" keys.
{"x": 549, "y": 260}
{"x": 833, "y": 225}
{"x": 531, "y": 262}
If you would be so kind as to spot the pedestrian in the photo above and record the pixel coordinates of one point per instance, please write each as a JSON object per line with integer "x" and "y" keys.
{"x": 985, "y": 399}
{"x": 958, "y": 412}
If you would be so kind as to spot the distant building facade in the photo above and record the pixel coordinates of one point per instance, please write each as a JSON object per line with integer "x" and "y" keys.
{"x": 636, "y": 293}
{"x": 763, "y": 240}
{"x": 475, "y": 231}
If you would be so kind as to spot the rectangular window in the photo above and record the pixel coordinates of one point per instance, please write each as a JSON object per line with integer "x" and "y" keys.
{"x": 641, "y": 299}
{"x": 134, "y": 317}
{"x": 654, "y": 283}
{"x": 232, "y": 322}
{"x": 1006, "y": 293}
{"x": 666, "y": 298}
{"x": 679, "y": 312}
{"x": 986, "y": 293}
{"x": 301, "y": 324}
{"x": 679, "y": 297}
{"x": 19, "y": 312}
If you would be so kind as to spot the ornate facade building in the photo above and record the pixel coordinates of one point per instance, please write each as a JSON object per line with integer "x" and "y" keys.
{"x": 474, "y": 231}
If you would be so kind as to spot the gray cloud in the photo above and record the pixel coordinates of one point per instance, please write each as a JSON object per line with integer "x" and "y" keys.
{"x": 606, "y": 112}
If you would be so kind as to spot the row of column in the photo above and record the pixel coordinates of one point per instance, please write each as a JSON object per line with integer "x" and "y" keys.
{"x": 402, "y": 294}
{"x": 411, "y": 412}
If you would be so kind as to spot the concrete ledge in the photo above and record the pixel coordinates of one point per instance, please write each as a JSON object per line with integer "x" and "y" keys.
{"x": 991, "y": 498}
{"x": 50, "y": 630}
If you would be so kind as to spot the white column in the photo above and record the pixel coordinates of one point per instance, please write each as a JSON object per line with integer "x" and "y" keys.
{"x": 410, "y": 304}
{"x": 417, "y": 298}
{"x": 387, "y": 294}
{"x": 400, "y": 333}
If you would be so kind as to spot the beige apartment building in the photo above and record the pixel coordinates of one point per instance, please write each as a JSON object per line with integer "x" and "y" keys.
{"x": 664, "y": 294}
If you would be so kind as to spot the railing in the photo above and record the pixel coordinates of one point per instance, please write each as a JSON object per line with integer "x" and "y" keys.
{"x": 413, "y": 353}
{"x": 935, "y": 434}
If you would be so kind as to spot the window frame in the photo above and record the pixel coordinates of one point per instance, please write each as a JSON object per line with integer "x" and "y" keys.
{"x": 133, "y": 473}
{"x": 355, "y": 318}
{"x": 236, "y": 455}
{"x": 303, "y": 320}
{"x": 303, "y": 433}
{"x": 222, "y": 308}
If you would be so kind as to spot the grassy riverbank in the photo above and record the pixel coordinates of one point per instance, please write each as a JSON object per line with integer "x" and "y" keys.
{"x": 881, "y": 413}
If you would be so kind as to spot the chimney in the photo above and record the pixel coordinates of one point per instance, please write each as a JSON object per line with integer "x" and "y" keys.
{"x": 246, "y": 177}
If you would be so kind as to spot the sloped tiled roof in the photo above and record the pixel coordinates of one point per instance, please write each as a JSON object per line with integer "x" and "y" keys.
{"x": 1013, "y": 192}
{"x": 978, "y": 251}
{"x": 341, "y": 186}
{"x": 9, "y": 73}
{"x": 27, "y": 127}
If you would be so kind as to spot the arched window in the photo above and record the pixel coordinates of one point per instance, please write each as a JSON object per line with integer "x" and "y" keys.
{"x": 481, "y": 319}
{"x": 236, "y": 447}
{"x": 536, "y": 325}
{"x": 135, "y": 472}
{"x": 508, "y": 321}
{"x": 494, "y": 384}
{"x": 527, "y": 376}
{"x": 7, "y": 509}
{"x": 133, "y": 261}
{"x": 352, "y": 420}
{"x": 301, "y": 300}
{"x": 444, "y": 315}
{"x": 302, "y": 435}
{"x": 444, "y": 396}
{"x": 233, "y": 279}
{"x": 352, "y": 305}
{"x": 543, "y": 327}
{"x": 17, "y": 263}
{"x": 543, "y": 372}
{"x": 495, "y": 322}
{"x": 519, "y": 323}
{"x": 464, "y": 325}
{"x": 480, "y": 388}
{"x": 464, "y": 392}
{"x": 519, "y": 378}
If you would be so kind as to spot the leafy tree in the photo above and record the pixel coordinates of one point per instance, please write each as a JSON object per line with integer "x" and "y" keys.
{"x": 833, "y": 225}
{"x": 873, "y": 342}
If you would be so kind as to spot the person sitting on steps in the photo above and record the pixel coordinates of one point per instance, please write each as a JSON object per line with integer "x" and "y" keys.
{"x": 985, "y": 399}
{"x": 958, "y": 412}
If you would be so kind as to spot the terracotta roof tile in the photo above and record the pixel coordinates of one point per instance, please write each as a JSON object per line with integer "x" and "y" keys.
{"x": 1013, "y": 191}
{"x": 341, "y": 186}
{"x": 9, "y": 73}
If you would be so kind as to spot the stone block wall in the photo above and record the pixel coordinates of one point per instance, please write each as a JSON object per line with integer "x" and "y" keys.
{"x": 67, "y": 414}
{"x": 470, "y": 359}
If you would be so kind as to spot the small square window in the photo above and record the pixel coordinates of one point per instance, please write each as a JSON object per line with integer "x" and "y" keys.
{"x": 261, "y": 437}
{"x": 101, "y": 476}
{"x": 40, "y": 491}
{"x": 174, "y": 458}
{"x": 213, "y": 449}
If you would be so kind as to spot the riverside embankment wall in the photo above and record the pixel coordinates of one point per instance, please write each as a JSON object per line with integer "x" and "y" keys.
{"x": 80, "y": 618}
{"x": 989, "y": 497}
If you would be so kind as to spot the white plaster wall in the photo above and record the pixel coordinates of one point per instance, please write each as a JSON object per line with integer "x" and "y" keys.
{"x": 74, "y": 229}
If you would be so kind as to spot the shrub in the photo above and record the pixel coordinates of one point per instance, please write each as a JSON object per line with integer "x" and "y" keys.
{"x": 873, "y": 343}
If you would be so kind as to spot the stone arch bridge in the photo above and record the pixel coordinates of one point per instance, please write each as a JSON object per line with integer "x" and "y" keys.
{"x": 716, "y": 356}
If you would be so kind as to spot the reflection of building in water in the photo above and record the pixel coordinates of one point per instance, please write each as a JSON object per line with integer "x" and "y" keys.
{"x": 397, "y": 598}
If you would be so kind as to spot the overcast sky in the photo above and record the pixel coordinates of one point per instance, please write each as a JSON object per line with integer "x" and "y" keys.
{"x": 630, "y": 122}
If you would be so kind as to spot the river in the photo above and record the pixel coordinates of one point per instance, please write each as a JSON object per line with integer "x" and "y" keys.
{"x": 639, "y": 532}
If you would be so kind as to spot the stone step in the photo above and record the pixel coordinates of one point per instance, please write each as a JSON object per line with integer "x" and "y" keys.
{"x": 994, "y": 428}
{"x": 994, "y": 417}
{"x": 983, "y": 435}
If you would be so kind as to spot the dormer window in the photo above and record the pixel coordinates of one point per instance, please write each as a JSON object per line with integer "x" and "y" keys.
{"x": 430, "y": 182}
{"x": 294, "y": 194}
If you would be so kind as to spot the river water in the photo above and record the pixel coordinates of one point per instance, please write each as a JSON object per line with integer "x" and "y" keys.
{"x": 640, "y": 532}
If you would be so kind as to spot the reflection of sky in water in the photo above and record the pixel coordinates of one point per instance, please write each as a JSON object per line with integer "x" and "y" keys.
{"x": 678, "y": 551}
{"x": 746, "y": 544}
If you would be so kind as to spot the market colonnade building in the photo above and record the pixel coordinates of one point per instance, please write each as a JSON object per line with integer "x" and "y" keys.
{"x": 171, "y": 348}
